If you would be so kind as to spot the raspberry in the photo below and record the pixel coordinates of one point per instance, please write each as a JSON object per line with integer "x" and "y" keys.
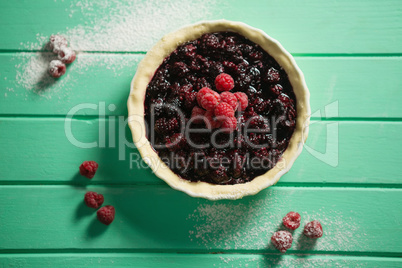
{"x": 88, "y": 169}
{"x": 197, "y": 114}
{"x": 243, "y": 100}
{"x": 57, "y": 68}
{"x": 210, "y": 121}
{"x": 57, "y": 42}
{"x": 209, "y": 101}
{"x": 313, "y": 229}
{"x": 66, "y": 55}
{"x": 230, "y": 99}
{"x": 224, "y": 82}
{"x": 223, "y": 110}
{"x": 282, "y": 240}
{"x": 93, "y": 200}
{"x": 166, "y": 126}
{"x": 229, "y": 124}
{"x": 292, "y": 220}
{"x": 106, "y": 214}
{"x": 204, "y": 91}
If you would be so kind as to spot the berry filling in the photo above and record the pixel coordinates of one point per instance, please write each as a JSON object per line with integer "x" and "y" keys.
{"x": 220, "y": 110}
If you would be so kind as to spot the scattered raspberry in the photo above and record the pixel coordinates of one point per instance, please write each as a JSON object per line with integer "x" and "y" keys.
{"x": 292, "y": 220}
{"x": 243, "y": 100}
{"x": 229, "y": 124}
{"x": 197, "y": 114}
{"x": 93, "y": 200}
{"x": 66, "y": 55}
{"x": 57, "y": 42}
{"x": 223, "y": 111}
{"x": 230, "y": 99}
{"x": 106, "y": 214}
{"x": 166, "y": 126}
{"x": 210, "y": 121}
{"x": 209, "y": 101}
{"x": 88, "y": 169}
{"x": 282, "y": 240}
{"x": 224, "y": 82}
{"x": 57, "y": 68}
{"x": 313, "y": 229}
{"x": 276, "y": 89}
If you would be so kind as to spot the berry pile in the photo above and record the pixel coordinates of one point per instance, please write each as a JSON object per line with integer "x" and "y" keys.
{"x": 282, "y": 240}
{"x": 58, "y": 44}
{"x": 225, "y": 84}
{"x": 94, "y": 200}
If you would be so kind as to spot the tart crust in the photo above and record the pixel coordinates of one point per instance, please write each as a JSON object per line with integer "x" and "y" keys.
{"x": 154, "y": 58}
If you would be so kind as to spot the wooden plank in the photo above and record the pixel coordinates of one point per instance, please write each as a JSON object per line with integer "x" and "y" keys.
{"x": 196, "y": 260}
{"x": 158, "y": 218}
{"x": 361, "y": 153}
{"x": 313, "y": 27}
{"x": 358, "y": 86}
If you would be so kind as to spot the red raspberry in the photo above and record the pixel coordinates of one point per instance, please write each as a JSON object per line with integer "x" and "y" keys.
{"x": 223, "y": 111}
{"x": 224, "y": 82}
{"x": 243, "y": 99}
{"x": 210, "y": 121}
{"x": 209, "y": 101}
{"x": 57, "y": 68}
{"x": 230, "y": 99}
{"x": 229, "y": 124}
{"x": 66, "y": 55}
{"x": 197, "y": 114}
{"x": 93, "y": 200}
{"x": 292, "y": 220}
{"x": 88, "y": 169}
{"x": 57, "y": 42}
{"x": 106, "y": 214}
{"x": 204, "y": 91}
{"x": 282, "y": 240}
{"x": 313, "y": 229}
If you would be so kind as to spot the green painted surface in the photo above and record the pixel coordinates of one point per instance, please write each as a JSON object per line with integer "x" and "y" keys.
{"x": 348, "y": 176}
{"x": 196, "y": 260}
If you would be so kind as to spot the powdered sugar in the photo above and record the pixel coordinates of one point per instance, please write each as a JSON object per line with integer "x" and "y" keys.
{"x": 250, "y": 226}
{"x": 110, "y": 25}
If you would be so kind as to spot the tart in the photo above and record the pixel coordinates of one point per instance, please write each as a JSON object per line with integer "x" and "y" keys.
{"x": 197, "y": 70}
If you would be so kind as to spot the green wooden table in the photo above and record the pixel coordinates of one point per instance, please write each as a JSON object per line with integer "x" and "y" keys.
{"x": 348, "y": 176}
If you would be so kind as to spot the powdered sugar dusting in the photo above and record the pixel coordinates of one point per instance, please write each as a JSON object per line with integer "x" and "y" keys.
{"x": 251, "y": 225}
{"x": 112, "y": 25}
{"x": 32, "y": 70}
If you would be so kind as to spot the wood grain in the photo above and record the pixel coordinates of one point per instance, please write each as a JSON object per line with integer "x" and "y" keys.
{"x": 337, "y": 152}
{"x": 357, "y": 87}
{"x": 148, "y": 218}
{"x": 313, "y": 27}
{"x": 41, "y": 260}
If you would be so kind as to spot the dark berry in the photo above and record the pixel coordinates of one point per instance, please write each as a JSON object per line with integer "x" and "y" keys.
{"x": 272, "y": 75}
{"x": 166, "y": 126}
